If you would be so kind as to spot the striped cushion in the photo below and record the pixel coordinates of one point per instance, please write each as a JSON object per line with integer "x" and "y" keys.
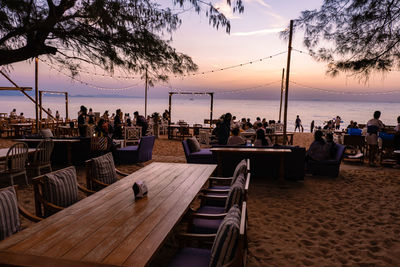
{"x": 103, "y": 169}
{"x": 9, "y": 218}
{"x": 226, "y": 240}
{"x": 241, "y": 168}
{"x": 236, "y": 193}
{"x": 60, "y": 187}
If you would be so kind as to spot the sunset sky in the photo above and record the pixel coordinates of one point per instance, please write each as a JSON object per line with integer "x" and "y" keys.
{"x": 254, "y": 35}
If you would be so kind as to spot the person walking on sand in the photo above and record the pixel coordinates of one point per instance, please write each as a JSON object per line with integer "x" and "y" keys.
{"x": 312, "y": 127}
{"x": 298, "y": 124}
{"x": 374, "y": 126}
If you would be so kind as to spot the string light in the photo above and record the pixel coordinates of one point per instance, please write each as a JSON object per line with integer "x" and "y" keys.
{"x": 344, "y": 92}
{"x": 233, "y": 66}
{"x": 89, "y": 84}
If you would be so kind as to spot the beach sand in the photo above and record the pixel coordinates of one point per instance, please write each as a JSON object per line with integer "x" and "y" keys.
{"x": 350, "y": 220}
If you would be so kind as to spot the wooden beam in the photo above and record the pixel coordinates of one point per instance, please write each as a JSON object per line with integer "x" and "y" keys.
{"x": 15, "y": 88}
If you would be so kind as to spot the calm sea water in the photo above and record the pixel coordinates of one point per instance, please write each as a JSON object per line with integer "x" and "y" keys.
{"x": 197, "y": 109}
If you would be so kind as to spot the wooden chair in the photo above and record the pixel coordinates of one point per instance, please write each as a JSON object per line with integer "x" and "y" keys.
{"x": 132, "y": 135}
{"x": 196, "y": 129}
{"x": 229, "y": 245}
{"x": 183, "y": 131}
{"x": 56, "y": 190}
{"x": 10, "y": 210}
{"x": 42, "y": 157}
{"x": 101, "y": 172}
{"x": 14, "y": 165}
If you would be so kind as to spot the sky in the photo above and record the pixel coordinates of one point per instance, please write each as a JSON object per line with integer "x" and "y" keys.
{"x": 254, "y": 35}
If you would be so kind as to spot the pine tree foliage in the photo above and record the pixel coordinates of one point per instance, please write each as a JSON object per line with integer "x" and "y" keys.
{"x": 130, "y": 34}
{"x": 354, "y": 36}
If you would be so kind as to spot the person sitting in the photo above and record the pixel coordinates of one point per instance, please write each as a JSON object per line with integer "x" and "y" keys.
{"x": 117, "y": 125}
{"x": 330, "y": 145}
{"x": 102, "y": 128}
{"x": 13, "y": 114}
{"x": 235, "y": 138}
{"x": 328, "y": 126}
{"x": 141, "y": 121}
{"x": 21, "y": 117}
{"x": 248, "y": 128}
{"x": 318, "y": 149}
{"x": 261, "y": 139}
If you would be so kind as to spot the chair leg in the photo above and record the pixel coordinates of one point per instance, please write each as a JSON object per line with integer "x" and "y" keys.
{"x": 26, "y": 178}
{"x": 12, "y": 180}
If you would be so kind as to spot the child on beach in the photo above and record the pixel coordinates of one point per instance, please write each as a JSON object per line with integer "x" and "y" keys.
{"x": 235, "y": 138}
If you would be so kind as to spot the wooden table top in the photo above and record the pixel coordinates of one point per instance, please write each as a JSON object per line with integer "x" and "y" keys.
{"x": 21, "y": 124}
{"x": 251, "y": 150}
{"x": 3, "y": 152}
{"x": 109, "y": 227}
{"x": 54, "y": 140}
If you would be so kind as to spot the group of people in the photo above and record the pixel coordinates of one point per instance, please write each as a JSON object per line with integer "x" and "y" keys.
{"x": 109, "y": 126}
{"x": 323, "y": 149}
{"x": 228, "y": 129}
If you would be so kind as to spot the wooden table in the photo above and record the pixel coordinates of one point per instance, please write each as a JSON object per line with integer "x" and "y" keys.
{"x": 110, "y": 227}
{"x": 222, "y": 151}
{"x": 3, "y": 152}
{"x": 18, "y": 126}
{"x": 69, "y": 143}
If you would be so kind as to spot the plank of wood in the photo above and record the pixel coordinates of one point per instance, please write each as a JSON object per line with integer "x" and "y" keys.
{"x": 171, "y": 211}
{"x": 105, "y": 208}
{"x": 118, "y": 236}
{"x": 18, "y": 259}
{"x": 89, "y": 202}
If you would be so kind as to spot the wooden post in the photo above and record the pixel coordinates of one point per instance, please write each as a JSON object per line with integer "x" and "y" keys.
{"x": 169, "y": 117}
{"x": 37, "y": 94}
{"x": 280, "y": 104}
{"x": 211, "y": 109}
{"x": 66, "y": 107}
{"x": 145, "y": 97}
{"x": 287, "y": 83}
{"x": 40, "y": 105}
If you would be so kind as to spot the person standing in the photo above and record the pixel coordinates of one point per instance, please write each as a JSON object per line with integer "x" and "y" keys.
{"x": 374, "y": 126}
{"x": 312, "y": 126}
{"x": 82, "y": 126}
{"x": 224, "y": 129}
{"x": 142, "y": 122}
{"x": 337, "y": 122}
{"x": 298, "y": 124}
{"x": 49, "y": 115}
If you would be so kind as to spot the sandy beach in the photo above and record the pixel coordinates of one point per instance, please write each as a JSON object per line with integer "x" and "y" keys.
{"x": 349, "y": 220}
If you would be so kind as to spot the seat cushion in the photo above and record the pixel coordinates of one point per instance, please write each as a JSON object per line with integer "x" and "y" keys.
{"x": 193, "y": 257}
{"x": 202, "y": 153}
{"x": 211, "y": 210}
{"x": 60, "y": 187}
{"x": 9, "y": 219}
{"x": 103, "y": 169}
{"x": 209, "y": 226}
{"x": 128, "y": 148}
{"x": 226, "y": 241}
{"x": 193, "y": 144}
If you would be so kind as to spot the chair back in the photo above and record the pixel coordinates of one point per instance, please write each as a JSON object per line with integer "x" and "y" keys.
{"x": 9, "y": 215}
{"x": 99, "y": 143}
{"x": 145, "y": 148}
{"x": 196, "y": 129}
{"x": 230, "y": 242}
{"x": 204, "y": 137}
{"x": 16, "y": 157}
{"x": 100, "y": 172}
{"x": 186, "y": 149}
{"x": 132, "y": 134}
{"x": 43, "y": 152}
{"x": 184, "y": 129}
{"x": 55, "y": 191}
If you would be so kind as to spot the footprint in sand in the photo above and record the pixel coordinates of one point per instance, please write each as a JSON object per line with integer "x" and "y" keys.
{"x": 323, "y": 233}
{"x": 340, "y": 232}
{"x": 306, "y": 242}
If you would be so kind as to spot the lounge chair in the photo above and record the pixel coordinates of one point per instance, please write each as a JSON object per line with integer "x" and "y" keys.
{"x": 136, "y": 154}
{"x": 327, "y": 167}
{"x": 203, "y": 156}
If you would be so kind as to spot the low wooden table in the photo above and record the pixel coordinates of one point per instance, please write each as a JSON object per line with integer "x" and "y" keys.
{"x": 222, "y": 151}
{"x": 3, "y": 152}
{"x": 110, "y": 227}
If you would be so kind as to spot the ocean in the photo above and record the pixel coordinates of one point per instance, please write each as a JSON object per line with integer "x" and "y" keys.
{"x": 197, "y": 108}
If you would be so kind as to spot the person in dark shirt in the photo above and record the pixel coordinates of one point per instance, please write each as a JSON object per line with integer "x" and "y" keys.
{"x": 142, "y": 122}
{"x": 82, "y": 127}
{"x": 117, "y": 125}
{"x": 224, "y": 129}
